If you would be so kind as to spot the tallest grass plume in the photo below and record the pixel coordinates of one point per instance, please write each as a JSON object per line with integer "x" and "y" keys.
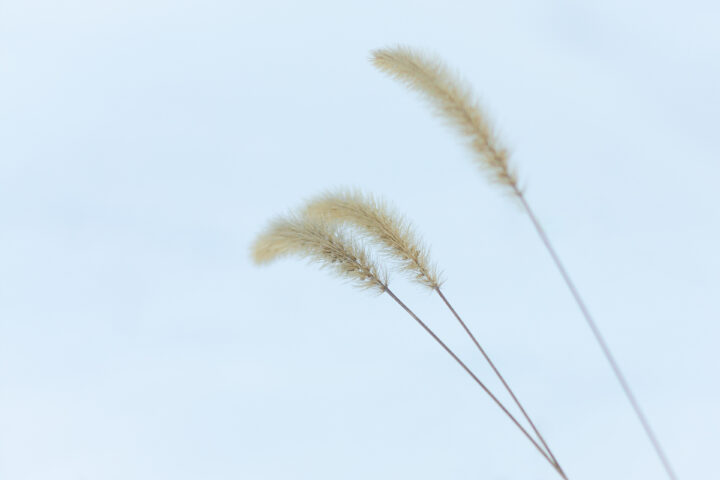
{"x": 454, "y": 102}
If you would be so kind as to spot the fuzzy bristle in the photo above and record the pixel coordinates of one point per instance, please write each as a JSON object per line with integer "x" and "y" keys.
{"x": 453, "y": 101}
{"x": 387, "y": 229}
{"x": 320, "y": 242}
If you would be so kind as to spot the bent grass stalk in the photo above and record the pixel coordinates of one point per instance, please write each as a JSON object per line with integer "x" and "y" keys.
{"x": 479, "y": 382}
{"x": 453, "y": 101}
{"x": 502, "y": 380}
{"x": 394, "y": 235}
{"x": 328, "y": 245}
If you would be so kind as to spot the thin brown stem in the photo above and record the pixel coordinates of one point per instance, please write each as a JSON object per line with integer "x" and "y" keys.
{"x": 502, "y": 379}
{"x": 477, "y": 380}
{"x": 599, "y": 337}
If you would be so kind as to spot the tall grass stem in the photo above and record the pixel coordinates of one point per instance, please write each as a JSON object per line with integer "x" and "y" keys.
{"x": 599, "y": 337}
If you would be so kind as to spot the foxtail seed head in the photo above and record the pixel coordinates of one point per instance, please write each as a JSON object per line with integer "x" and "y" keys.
{"x": 452, "y": 100}
{"x": 387, "y": 229}
{"x": 320, "y": 242}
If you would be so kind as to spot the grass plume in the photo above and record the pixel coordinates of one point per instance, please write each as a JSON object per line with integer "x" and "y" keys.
{"x": 395, "y": 236}
{"x": 322, "y": 243}
{"x": 323, "y": 239}
{"x": 453, "y": 101}
{"x": 386, "y": 228}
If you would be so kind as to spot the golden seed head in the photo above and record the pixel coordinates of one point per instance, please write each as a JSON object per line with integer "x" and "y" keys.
{"x": 453, "y": 101}
{"x": 320, "y": 242}
{"x": 392, "y": 233}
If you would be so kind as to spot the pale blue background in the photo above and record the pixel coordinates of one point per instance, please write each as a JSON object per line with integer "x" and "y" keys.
{"x": 144, "y": 143}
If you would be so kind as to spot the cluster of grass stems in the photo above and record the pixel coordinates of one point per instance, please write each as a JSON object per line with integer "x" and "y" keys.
{"x": 352, "y": 232}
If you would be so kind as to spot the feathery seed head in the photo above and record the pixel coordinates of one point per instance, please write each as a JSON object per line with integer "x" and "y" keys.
{"x": 323, "y": 243}
{"x": 453, "y": 101}
{"x": 390, "y": 231}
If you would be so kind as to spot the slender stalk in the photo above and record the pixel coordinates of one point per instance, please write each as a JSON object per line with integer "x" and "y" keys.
{"x": 477, "y": 380}
{"x": 502, "y": 379}
{"x": 599, "y": 337}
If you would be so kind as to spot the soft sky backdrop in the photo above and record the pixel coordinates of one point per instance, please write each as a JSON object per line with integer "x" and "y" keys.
{"x": 143, "y": 144}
